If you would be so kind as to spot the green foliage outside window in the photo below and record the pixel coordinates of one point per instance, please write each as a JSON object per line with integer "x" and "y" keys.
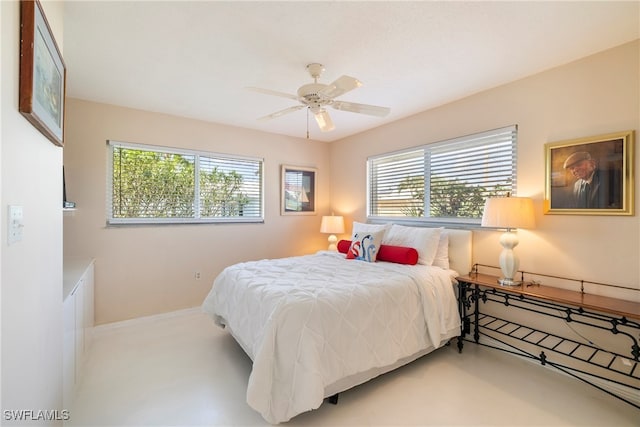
{"x": 448, "y": 198}
{"x": 151, "y": 184}
{"x": 148, "y": 184}
{"x": 220, "y": 194}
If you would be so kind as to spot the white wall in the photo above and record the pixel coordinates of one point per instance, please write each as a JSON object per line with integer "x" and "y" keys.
{"x": 143, "y": 270}
{"x": 596, "y": 95}
{"x": 31, "y": 270}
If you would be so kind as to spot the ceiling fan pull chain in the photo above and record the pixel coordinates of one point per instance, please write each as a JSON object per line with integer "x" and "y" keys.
{"x": 307, "y": 122}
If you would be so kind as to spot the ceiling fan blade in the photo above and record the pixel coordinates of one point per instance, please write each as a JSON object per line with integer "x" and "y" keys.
{"x": 341, "y": 86}
{"x": 372, "y": 110}
{"x": 324, "y": 120}
{"x": 273, "y": 92}
{"x": 282, "y": 112}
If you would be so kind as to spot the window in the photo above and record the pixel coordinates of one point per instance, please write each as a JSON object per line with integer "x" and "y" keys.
{"x": 446, "y": 181}
{"x": 148, "y": 184}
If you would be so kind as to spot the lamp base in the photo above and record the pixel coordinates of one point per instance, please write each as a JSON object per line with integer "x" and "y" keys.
{"x": 333, "y": 240}
{"x": 508, "y": 260}
{"x": 503, "y": 281}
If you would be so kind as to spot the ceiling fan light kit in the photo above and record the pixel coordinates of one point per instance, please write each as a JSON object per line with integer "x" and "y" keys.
{"x": 315, "y": 96}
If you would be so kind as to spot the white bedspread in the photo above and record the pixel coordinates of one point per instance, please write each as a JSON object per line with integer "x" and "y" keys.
{"x": 309, "y": 321}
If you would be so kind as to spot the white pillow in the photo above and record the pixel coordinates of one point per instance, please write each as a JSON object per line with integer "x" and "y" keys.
{"x": 359, "y": 226}
{"x": 424, "y": 240}
{"x": 442, "y": 254}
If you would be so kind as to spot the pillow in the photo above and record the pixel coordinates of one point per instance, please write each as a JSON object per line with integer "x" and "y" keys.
{"x": 359, "y": 226}
{"x": 365, "y": 245}
{"x": 397, "y": 254}
{"x": 424, "y": 240}
{"x": 343, "y": 246}
{"x": 442, "y": 254}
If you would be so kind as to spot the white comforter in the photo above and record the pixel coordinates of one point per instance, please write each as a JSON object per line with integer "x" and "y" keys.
{"x": 308, "y": 321}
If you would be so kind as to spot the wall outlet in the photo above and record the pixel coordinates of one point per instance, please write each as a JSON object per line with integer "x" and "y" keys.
{"x": 196, "y": 275}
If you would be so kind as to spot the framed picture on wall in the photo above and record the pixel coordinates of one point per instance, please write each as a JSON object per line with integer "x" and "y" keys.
{"x": 298, "y": 191}
{"x": 590, "y": 176}
{"x": 42, "y": 74}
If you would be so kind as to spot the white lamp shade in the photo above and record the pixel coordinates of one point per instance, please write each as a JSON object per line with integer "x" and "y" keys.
{"x": 508, "y": 212}
{"x": 333, "y": 224}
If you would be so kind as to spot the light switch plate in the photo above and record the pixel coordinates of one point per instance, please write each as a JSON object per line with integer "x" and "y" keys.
{"x": 15, "y": 226}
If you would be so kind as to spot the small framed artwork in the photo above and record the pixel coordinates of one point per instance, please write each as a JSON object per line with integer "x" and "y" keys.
{"x": 42, "y": 74}
{"x": 298, "y": 195}
{"x": 590, "y": 176}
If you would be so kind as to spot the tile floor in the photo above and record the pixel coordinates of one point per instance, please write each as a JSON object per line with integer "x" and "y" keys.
{"x": 182, "y": 370}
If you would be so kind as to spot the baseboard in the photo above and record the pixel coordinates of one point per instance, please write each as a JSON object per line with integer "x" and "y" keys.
{"x": 145, "y": 319}
{"x": 627, "y": 393}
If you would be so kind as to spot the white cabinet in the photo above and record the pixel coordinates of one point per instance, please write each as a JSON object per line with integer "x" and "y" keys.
{"x": 78, "y": 301}
{"x": 68, "y": 353}
{"x": 88, "y": 307}
{"x": 78, "y": 320}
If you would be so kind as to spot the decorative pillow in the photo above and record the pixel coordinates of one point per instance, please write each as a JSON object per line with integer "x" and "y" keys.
{"x": 365, "y": 245}
{"x": 442, "y": 254}
{"x": 397, "y": 254}
{"x": 343, "y": 246}
{"x": 424, "y": 240}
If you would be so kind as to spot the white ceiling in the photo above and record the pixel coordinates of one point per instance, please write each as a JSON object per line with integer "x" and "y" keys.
{"x": 195, "y": 58}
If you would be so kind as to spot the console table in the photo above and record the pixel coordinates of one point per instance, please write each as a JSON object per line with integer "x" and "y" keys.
{"x": 618, "y": 317}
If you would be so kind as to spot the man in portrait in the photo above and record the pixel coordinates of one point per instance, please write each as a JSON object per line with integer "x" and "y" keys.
{"x": 593, "y": 188}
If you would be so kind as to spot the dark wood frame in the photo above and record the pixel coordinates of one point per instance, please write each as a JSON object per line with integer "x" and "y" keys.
{"x": 309, "y": 207}
{"x": 34, "y": 86}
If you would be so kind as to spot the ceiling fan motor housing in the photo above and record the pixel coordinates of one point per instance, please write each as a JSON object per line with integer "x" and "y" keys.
{"x": 310, "y": 96}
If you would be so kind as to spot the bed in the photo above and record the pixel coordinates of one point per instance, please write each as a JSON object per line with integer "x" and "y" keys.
{"x": 317, "y": 325}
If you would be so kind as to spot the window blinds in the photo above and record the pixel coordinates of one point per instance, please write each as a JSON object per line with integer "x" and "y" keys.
{"x": 149, "y": 184}
{"x": 447, "y": 179}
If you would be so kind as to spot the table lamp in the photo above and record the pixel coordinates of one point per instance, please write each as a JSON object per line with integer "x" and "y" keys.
{"x": 509, "y": 213}
{"x": 332, "y": 224}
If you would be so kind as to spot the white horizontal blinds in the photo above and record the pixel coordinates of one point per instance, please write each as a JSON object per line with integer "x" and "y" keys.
{"x": 448, "y": 179}
{"x": 229, "y": 187}
{"x": 396, "y": 184}
{"x": 152, "y": 184}
{"x": 467, "y": 170}
{"x": 149, "y": 184}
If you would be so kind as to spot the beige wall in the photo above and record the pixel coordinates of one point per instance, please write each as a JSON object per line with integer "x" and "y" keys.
{"x": 148, "y": 269}
{"x": 143, "y": 270}
{"x": 31, "y": 269}
{"x": 593, "y": 96}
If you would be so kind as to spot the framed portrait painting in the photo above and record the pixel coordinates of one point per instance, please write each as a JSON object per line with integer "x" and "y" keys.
{"x": 590, "y": 176}
{"x": 298, "y": 195}
{"x": 42, "y": 74}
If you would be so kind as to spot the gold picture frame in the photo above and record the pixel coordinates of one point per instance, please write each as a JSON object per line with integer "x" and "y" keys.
{"x": 42, "y": 74}
{"x": 590, "y": 176}
{"x": 298, "y": 191}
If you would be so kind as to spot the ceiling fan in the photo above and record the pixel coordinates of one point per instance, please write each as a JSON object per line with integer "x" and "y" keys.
{"x": 316, "y": 96}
